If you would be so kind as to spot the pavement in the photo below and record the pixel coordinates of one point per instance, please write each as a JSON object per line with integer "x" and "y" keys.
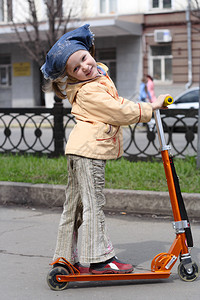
{"x": 27, "y": 243}
{"x": 128, "y": 201}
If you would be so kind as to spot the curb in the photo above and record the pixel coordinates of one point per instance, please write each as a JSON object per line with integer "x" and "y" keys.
{"x": 137, "y": 202}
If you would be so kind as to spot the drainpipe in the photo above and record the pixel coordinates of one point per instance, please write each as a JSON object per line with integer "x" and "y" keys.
{"x": 189, "y": 42}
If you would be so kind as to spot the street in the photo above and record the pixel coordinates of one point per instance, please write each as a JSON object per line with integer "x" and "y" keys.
{"x": 28, "y": 237}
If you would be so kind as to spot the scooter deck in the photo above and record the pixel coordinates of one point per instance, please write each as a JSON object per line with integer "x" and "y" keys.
{"x": 105, "y": 277}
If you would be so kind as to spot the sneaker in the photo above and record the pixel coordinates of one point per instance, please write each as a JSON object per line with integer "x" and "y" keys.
{"x": 111, "y": 266}
{"x": 81, "y": 268}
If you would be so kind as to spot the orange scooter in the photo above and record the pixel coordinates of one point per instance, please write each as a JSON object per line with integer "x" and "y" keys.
{"x": 63, "y": 272}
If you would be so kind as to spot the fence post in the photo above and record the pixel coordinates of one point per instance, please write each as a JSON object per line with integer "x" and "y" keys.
{"x": 58, "y": 127}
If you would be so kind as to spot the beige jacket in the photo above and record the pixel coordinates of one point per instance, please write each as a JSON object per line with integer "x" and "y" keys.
{"x": 99, "y": 113}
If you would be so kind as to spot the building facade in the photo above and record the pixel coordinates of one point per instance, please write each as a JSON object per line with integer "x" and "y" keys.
{"x": 134, "y": 38}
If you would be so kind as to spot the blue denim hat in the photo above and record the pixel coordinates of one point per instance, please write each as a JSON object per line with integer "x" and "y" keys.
{"x": 79, "y": 39}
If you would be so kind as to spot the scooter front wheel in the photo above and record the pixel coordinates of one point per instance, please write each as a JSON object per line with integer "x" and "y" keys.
{"x": 188, "y": 275}
{"x": 52, "y": 281}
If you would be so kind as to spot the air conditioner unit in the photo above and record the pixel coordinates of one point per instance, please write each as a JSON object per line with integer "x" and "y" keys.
{"x": 162, "y": 36}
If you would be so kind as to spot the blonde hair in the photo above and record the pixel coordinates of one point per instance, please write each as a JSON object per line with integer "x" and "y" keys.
{"x": 59, "y": 85}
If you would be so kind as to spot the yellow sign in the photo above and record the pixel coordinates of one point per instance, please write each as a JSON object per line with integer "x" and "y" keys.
{"x": 22, "y": 69}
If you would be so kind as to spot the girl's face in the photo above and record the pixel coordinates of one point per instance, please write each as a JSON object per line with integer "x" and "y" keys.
{"x": 82, "y": 66}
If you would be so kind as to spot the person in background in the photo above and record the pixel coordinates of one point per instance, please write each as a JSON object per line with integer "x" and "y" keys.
{"x": 150, "y": 88}
{"x": 144, "y": 93}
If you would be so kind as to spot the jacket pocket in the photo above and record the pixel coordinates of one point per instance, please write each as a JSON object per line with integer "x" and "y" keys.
{"x": 107, "y": 132}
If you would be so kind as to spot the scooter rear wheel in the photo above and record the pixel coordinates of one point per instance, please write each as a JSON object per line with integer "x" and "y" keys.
{"x": 188, "y": 275}
{"x": 51, "y": 278}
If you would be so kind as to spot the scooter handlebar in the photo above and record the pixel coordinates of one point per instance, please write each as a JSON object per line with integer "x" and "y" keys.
{"x": 168, "y": 100}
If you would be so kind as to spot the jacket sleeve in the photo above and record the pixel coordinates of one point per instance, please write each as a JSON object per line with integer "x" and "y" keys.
{"x": 101, "y": 106}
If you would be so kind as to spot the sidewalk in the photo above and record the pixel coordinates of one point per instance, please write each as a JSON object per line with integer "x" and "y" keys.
{"x": 27, "y": 243}
{"x": 138, "y": 202}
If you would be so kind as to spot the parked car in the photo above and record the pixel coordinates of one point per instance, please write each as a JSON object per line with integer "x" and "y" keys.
{"x": 187, "y": 121}
{"x": 187, "y": 99}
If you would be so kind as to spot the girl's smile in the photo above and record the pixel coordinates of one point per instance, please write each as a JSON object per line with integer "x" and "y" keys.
{"x": 82, "y": 66}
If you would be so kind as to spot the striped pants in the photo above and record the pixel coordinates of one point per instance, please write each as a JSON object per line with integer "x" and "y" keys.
{"x": 83, "y": 205}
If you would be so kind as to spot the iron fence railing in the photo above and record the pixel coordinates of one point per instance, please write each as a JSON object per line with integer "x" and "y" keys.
{"x": 46, "y": 131}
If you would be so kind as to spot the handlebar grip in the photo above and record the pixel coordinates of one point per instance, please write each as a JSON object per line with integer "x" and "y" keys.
{"x": 168, "y": 100}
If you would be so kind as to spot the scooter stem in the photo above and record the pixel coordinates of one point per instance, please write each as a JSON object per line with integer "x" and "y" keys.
{"x": 168, "y": 100}
{"x": 159, "y": 126}
{"x": 179, "y": 245}
{"x": 168, "y": 172}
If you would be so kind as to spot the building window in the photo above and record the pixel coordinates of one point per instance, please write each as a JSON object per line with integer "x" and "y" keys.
{"x": 5, "y": 71}
{"x": 161, "y": 4}
{"x": 6, "y": 11}
{"x": 108, "y": 6}
{"x": 108, "y": 57}
{"x": 161, "y": 63}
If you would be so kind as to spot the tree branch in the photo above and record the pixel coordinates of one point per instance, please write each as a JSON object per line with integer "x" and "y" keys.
{"x": 57, "y": 25}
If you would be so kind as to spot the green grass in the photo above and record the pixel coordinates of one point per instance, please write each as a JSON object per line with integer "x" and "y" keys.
{"x": 120, "y": 174}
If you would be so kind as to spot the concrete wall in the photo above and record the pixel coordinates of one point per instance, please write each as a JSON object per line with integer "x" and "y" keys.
{"x": 25, "y": 90}
{"x": 129, "y": 62}
{"x": 129, "y": 66}
{"x": 22, "y": 86}
{"x": 5, "y": 97}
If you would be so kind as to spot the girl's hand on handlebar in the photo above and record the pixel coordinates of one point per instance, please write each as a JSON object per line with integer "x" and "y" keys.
{"x": 158, "y": 104}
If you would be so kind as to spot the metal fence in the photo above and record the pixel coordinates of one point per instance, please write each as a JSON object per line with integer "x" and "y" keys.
{"x": 46, "y": 130}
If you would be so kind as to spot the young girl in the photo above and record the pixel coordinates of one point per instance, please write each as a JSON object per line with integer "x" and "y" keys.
{"x": 96, "y": 137}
